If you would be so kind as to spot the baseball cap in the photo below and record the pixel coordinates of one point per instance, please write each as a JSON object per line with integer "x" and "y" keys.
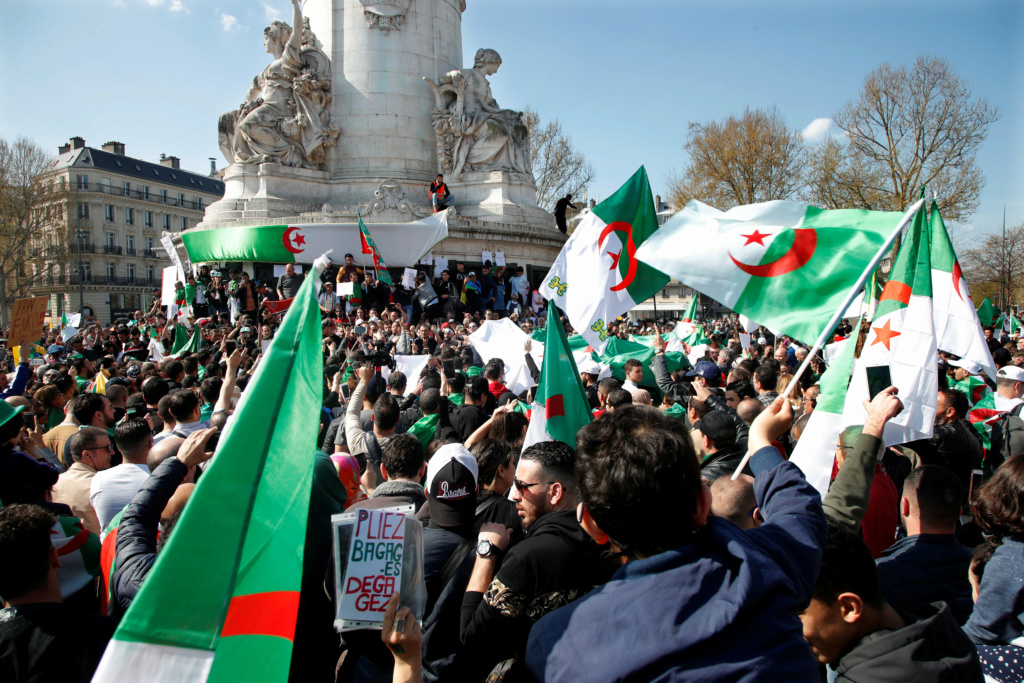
{"x": 1011, "y": 372}
{"x": 970, "y": 366}
{"x": 451, "y": 486}
{"x": 591, "y": 367}
{"x": 705, "y": 369}
{"x": 715, "y": 424}
{"x": 54, "y": 349}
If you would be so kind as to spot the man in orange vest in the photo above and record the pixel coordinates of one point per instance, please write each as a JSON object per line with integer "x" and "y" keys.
{"x": 439, "y": 194}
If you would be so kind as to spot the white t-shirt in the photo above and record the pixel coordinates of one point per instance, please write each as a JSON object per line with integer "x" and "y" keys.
{"x": 114, "y": 488}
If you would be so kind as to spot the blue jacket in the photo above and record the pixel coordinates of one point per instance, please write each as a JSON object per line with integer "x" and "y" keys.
{"x": 998, "y": 617}
{"x": 918, "y": 570}
{"x": 17, "y": 387}
{"x": 721, "y": 608}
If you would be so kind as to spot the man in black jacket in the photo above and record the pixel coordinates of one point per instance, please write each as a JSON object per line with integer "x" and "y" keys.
{"x": 718, "y": 435}
{"x": 554, "y": 565}
{"x": 471, "y": 415}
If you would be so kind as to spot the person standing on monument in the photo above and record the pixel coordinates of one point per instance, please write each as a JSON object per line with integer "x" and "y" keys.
{"x": 560, "y": 208}
{"x": 440, "y": 197}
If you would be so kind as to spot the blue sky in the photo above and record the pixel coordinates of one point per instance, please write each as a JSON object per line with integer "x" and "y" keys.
{"x": 623, "y": 76}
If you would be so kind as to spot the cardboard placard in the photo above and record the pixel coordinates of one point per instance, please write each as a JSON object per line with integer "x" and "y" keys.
{"x": 27, "y": 321}
{"x": 499, "y": 258}
{"x": 345, "y": 289}
{"x": 409, "y": 278}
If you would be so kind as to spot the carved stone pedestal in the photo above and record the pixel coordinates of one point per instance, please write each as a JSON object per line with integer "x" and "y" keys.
{"x": 499, "y": 196}
{"x": 266, "y": 193}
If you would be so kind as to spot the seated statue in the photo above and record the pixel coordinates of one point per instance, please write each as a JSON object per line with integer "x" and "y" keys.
{"x": 284, "y": 119}
{"x": 473, "y": 132}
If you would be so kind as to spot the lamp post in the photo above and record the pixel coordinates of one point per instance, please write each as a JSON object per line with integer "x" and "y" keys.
{"x": 79, "y": 234}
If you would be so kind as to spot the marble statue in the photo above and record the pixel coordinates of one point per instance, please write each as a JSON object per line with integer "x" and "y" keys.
{"x": 473, "y": 132}
{"x": 284, "y": 119}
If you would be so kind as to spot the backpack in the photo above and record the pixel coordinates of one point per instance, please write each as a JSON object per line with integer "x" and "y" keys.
{"x": 1007, "y": 439}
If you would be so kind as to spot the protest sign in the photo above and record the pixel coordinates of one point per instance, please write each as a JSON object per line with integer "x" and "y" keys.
{"x": 486, "y": 256}
{"x": 27, "y": 322}
{"x": 345, "y": 289}
{"x": 440, "y": 264}
{"x": 409, "y": 278}
{"x": 377, "y": 552}
{"x": 499, "y": 258}
{"x": 427, "y": 260}
{"x": 745, "y": 341}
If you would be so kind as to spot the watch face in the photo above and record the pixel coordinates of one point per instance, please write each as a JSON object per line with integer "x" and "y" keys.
{"x": 483, "y": 548}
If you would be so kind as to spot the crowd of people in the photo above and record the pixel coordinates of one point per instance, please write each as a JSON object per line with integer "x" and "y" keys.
{"x": 630, "y": 554}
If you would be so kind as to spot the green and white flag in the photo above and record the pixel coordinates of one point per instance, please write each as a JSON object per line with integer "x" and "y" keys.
{"x": 787, "y": 265}
{"x": 180, "y": 338}
{"x": 193, "y": 345}
{"x": 596, "y": 277}
{"x": 987, "y": 314}
{"x": 902, "y": 337}
{"x": 1008, "y": 324}
{"x": 220, "y": 604}
{"x": 560, "y": 407}
{"x": 402, "y": 244}
{"x": 957, "y": 325}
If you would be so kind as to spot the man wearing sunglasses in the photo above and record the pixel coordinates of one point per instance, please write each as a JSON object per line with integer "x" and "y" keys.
{"x": 555, "y": 564}
{"x": 90, "y": 452}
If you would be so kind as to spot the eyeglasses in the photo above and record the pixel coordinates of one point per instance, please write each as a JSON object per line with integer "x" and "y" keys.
{"x": 523, "y": 487}
{"x": 108, "y": 447}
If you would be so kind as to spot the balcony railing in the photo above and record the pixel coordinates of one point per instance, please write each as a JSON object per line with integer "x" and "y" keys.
{"x": 129, "y": 251}
{"x": 108, "y": 280}
{"x": 85, "y": 248}
{"x": 145, "y": 196}
{"x": 149, "y": 253}
{"x": 112, "y": 249}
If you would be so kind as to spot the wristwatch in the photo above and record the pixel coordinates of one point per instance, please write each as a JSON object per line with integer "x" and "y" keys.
{"x": 487, "y": 549}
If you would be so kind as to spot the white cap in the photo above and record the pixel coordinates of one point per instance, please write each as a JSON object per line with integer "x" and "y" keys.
{"x": 447, "y": 453}
{"x": 970, "y": 366}
{"x": 591, "y": 367}
{"x": 1011, "y": 372}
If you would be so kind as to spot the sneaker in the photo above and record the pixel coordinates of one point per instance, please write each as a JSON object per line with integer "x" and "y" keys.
{"x": 435, "y": 209}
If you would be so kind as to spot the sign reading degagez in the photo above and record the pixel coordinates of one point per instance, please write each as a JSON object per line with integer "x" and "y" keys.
{"x": 374, "y": 568}
{"x": 27, "y": 321}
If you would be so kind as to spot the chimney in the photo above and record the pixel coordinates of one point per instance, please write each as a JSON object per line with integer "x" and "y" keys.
{"x": 657, "y": 202}
{"x": 170, "y": 162}
{"x": 114, "y": 147}
{"x": 213, "y": 167}
{"x": 593, "y": 203}
{"x": 64, "y": 149}
{"x": 77, "y": 142}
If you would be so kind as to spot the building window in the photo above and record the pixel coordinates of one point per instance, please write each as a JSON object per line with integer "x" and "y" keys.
{"x": 129, "y": 216}
{"x": 83, "y": 182}
{"x": 148, "y": 219}
{"x": 60, "y": 304}
{"x": 163, "y": 196}
{"x": 167, "y": 222}
{"x": 126, "y": 187}
{"x": 83, "y": 210}
{"x": 199, "y": 203}
{"x": 111, "y": 270}
{"x": 145, "y": 191}
{"x": 149, "y": 273}
{"x": 149, "y": 243}
{"x": 184, "y": 224}
{"x": 181, "y": 199}
{"x": 129, "y": 242}
{"x": 108, "y": 213}
{"x": 86, "y": 271}
{"x": 131, "y": 271}
{"x": 109, "y": 239}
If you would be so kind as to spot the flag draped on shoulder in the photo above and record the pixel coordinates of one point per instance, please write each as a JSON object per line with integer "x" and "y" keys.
{"x": 597, "y": 277}
{"x": 958, "y": 328}
{"x": 787, "y": 265}
{"x": 902, "y": 338}
{"x": 369, "y": 247}
{"x": 560, "y": 407}
{"x": 220, "y": 603}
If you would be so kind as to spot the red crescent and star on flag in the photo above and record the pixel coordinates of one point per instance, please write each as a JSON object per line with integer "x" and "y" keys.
{"x": 959, "y": 282}
{"x": 896, "y": 291}
{"x": 294, "y": 243}
{"x": 629, "y": 247}
{"x": 805, "y": 241}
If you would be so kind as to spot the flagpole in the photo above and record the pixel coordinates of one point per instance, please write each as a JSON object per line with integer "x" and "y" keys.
{"x": 837, "y": 316}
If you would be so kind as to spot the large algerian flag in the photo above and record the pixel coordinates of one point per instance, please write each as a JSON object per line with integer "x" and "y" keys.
{"x": 403, "y": 244}
{"x": 987, "y": 313}
{"x": 368, "y": 246}
{"x": 560, "y": 407}
{"x": 787, "y": 265}
{"x": 816, "y": 448}
{"x": 974, "y": 388}
{"x": 902, "y": 337}
{"x": 596, "y": 277}
{"x": 193, "y": 345}
{"x": 220, "y": 603}
{"x": 957, "y": 325}
{"x": 180, "y": 338}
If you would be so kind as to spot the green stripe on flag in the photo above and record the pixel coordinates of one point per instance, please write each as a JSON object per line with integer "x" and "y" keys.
{"x": 560, "y": 390}
{"x": 263, "y": 243}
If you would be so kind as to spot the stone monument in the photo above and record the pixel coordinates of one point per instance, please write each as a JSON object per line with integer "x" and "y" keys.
{"x": 362, "y": 105}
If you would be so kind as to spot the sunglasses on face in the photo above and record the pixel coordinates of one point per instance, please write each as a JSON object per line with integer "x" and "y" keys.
{"x": 524, "y": 487}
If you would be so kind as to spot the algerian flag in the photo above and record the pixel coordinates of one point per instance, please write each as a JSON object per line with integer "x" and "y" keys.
{"x": 404, "y": 243}
{"x": 987, "y": 411}
{"x": 957, "y": 326}
{"x": 68, "y": 333}
{"x": 560, "y": 407}
{"x": 902, "y": 337}
{"x": 243, "y": 531}
{"x": 596, "y": 277}
{"x": 974, "y": 388}
{"x": 1008, "y": 324}
{"x": 987, "y": 314}
{"x": 816, "y": 448}
{"x": 180, "y": 338}
{"x": 787, "y": 265}
{"x": 79, "y": 553}
{"x": 64, "y": 319}
{"x": 691, "y": 312}
{"x": 369, "y": 247}
{"x": 193, "y": 345}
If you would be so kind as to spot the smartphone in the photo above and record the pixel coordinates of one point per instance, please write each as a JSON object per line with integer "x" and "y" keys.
{"x": 359, "y": 330}
{"x": 345, "y": 391}
{"x": 230, "y": 346}
{"x": 30, "y": 421}
{"x": 976, "y": 479}
{"x": 449, "y": 369}
{"x": 879, "y": 379}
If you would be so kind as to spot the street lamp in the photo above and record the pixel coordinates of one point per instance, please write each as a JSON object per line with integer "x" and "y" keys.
{"x": 81, "y": 274}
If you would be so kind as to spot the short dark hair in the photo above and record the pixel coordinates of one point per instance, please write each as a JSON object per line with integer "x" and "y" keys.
{"x": 494, "y": 368}
{"x": 608, "y": 385}
{"x": 557, "y": 459}
{"x": 63, "y": 382}
{"x": 939, "y": 494}
{"x": 698, "y": 406}
{"x": 619, "y": 398}
{"x": 25, "y": 542}
{"x": 386, "y": 412}
{"x": 402, "y": 456}
{"x": 847, "y": 567}
{"x": 190, "y": 365}
{"x": 154, "y": 389}
{"x": 508, "y": 426}
{"x": 85, "y": 406}
{"x": 173, "y": 369}
{"x": 958, "y": 400}
{"x": 397, "y": 381}
{"x": 430, "y": 400}
{"x": 183, "y": 403}
{"x": 476, "y": 387}
{"x": 131, "y": 435}
{"x": 84, "y": 439}
{"x": 210, "y": 389}
{"x": 163, "y": 408}
{"x": 644, "y": 509}
{"x": 767, "y": 377}
{"x": 630, "y": 364}
{"x": 490, "y": 455}
{"x": 742, "y": 388}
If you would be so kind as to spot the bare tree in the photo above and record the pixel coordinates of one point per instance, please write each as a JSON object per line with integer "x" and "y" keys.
{"x": 911, "y": 126}
{"x": 753, "y": 158}
{"x": 25, "y": 247}
{"x": 558, "y": 167}
{"x": 990, "y": 261}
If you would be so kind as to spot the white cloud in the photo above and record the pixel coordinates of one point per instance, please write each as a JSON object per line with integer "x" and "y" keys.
{"x": 228, "y": 21}
{"x": 154, "y": 3}
{"x": 272, "y": 13}
{"x": 817, "y": 129}
{"x": 176, "y": 6}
